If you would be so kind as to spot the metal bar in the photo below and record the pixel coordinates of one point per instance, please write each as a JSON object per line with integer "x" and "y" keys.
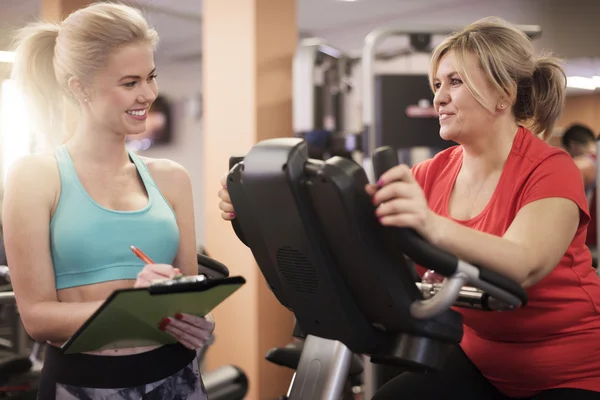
{"x": 442, "y": 301}
{"x": 322, "y": 370}
{"x": 7, "y": 298}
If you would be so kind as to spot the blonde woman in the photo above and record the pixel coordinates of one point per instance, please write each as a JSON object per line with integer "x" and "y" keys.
{"x": 71, "y": 215}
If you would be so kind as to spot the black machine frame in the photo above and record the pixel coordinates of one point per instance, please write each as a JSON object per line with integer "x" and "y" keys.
{"x": 312, "y": 230}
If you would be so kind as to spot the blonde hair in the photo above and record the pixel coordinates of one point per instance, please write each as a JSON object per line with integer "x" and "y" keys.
{"x": 535, "y": 86}
{"x": 47, "y": 55}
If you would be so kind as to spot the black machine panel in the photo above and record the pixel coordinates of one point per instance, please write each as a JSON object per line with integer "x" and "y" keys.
{"x": 397, "y": 97}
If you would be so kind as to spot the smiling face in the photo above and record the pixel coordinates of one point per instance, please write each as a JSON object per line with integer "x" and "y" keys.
{"x": 122, "y": 93}
{"x": 461, "y": 115}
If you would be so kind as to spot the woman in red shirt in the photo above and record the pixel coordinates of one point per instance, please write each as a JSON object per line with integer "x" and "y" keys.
{"x": 505, "y": 199}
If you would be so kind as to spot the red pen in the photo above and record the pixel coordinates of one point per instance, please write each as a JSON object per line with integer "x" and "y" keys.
{"x": 141, "y": 255}
{"x": 148, "y": 260}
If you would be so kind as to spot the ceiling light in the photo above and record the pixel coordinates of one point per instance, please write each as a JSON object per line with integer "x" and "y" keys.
{"x": 7, "y": 56}
{"x": 580, "y": 82}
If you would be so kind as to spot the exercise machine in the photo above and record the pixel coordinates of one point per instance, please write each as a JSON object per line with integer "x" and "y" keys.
{"x": 289, "y": 356}
{"x": 20, "y": 364}
{"x": 312, "y": 230}
{"x": 227, "y": 382}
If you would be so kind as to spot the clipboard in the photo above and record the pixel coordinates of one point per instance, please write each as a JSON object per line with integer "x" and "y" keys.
{"x": 130, "y": 317}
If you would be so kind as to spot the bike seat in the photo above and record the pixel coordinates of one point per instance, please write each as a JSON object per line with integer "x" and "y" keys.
{"x": 289, "y": 356}
{"x": 211, "y": 267}
{"x": 15, "y": 365}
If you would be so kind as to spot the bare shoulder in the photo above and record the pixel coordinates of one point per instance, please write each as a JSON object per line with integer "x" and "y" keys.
{"x": 31, "y": 190}
{"x": 37, "y": 172}
{"x": 44, "y": 162}
{"x": 163, "y": 169}
{"x": 172, "y": 179}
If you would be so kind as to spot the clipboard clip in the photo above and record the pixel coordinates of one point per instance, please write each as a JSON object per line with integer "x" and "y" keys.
{"x": 177, "y": 284}
{"x": 179, "y": 280}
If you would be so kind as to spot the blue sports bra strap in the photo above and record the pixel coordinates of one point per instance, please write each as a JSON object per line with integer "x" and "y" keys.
{"x": 142, "y": 169}
{"x": 65, "y": 166}
{"x": 62, "y": 157}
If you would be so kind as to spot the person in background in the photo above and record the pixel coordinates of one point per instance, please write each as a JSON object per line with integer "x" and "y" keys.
{"x": 71, "y": 215}
{"x": 580, "y": 142}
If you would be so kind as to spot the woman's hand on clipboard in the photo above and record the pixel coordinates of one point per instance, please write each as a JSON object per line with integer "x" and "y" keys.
{"x": 190, "y": 330}
{"x": 155, "y": 272}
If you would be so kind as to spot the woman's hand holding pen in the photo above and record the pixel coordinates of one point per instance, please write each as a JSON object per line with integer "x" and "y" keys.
{"x": 151, "y": 271}
{"x": 154, "y": 272}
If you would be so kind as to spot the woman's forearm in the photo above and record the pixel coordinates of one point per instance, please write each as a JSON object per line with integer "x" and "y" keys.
{"x": 54, "y": 321}
{"x": 490, "y": 251}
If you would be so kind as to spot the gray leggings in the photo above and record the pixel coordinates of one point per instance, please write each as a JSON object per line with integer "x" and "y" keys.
{"x": 185, "y": 384}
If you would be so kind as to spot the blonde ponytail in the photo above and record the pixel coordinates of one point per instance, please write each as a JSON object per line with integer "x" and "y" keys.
{"x": 548, "y": 92}
{"x": 34, "y": 73}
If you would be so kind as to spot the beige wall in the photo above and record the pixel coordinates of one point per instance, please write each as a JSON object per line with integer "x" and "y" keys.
{"x": 247, "y": 81}
{"x": 583, "y": 109}
{"x": 57, "y": 10}
{"x": 580, "y": 109}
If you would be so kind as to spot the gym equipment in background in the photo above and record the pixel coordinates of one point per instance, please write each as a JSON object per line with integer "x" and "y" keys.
{"x": 397, "y": 108}
{"x": 20, "y": 363}
{"x": 320, "y": 92}
{"x": 227, "y": 382}
{"x": 312, "y": 230}
{"x": 381, "y": 91}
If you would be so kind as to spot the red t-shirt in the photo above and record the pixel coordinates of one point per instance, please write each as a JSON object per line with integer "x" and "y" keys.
{"x": 554, "y": 341}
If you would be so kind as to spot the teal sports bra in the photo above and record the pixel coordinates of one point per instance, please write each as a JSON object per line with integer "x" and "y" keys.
{"x": 91, "y": 243}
